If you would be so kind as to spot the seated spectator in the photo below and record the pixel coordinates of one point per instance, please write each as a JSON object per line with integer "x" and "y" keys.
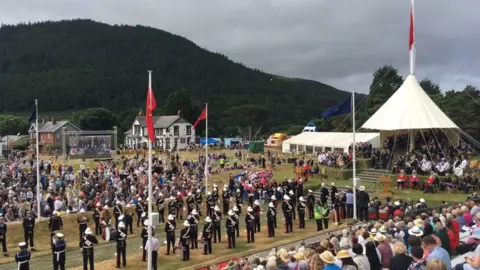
{"x": 436, "y": 252}
{"x": 418, "y": 262}
{"x": 414, "y": 179}
{"x": 401, "y": 260}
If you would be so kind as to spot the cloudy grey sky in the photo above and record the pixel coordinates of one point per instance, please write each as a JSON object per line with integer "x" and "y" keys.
{"x": 339, "y": 42}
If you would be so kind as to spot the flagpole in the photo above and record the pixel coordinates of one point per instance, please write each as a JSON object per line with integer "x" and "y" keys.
{"x": 206, "y": 148}
{"x": 412, "y": 52}
{"x": 150, "y": 197}
{"x": 37, "y": 151}
{"x": 354, "y": 159}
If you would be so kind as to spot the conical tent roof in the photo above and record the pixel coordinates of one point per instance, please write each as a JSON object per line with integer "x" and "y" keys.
{"x": 409, "y": 108}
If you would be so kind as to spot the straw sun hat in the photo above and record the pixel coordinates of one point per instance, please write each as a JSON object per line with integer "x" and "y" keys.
{"x": 327, "y": 257}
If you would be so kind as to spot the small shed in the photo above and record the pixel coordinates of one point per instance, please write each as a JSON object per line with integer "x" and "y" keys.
{"x": 256, "y": 147}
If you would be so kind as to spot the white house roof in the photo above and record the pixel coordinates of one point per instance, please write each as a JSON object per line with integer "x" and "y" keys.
{"x": 409, "y": 108}
{"x": 333, "y": 139}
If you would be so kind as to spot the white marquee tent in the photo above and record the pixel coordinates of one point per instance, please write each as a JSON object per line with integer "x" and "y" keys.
{"x": 315, "y": 141}
{"x": 408, "y": 109}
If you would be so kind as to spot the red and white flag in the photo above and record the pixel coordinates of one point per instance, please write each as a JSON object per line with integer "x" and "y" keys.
{"x": 202, "y": 116}
{"x": 411, "y": 39}
{"x": 151, "y": 106}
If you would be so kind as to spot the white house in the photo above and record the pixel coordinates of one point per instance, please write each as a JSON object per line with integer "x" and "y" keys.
{"x": 172, "y": 132}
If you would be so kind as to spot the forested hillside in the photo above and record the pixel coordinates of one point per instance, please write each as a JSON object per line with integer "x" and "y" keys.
{"x": 79, "y": 64}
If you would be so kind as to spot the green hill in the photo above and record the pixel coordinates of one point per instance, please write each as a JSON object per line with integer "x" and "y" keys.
{"x": 78, "y": 64}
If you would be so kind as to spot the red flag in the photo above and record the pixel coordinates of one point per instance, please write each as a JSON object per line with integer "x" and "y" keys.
{"x": 411, "y": 38}
{"x": 151, "y": 106}
{"x": 202, "y": 116}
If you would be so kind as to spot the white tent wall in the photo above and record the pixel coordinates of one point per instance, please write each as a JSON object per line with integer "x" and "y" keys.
{"x": 315, "y": 141}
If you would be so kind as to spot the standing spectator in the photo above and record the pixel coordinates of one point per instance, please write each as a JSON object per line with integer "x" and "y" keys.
{"x": 359, "y": 258}
{"x": 401, "y": 260}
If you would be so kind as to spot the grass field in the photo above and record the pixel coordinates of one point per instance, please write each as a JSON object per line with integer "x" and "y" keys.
{"x": 42, "y": 236}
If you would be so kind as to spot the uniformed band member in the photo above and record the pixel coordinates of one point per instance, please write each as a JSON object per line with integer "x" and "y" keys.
{"x": 293, "y": 202}
{"x": 190, "y": 203}
{"x": 22, "y": 258}
{"x": 96, "y": 218}
{"x": 58, "y": 250}
{"x": 117, "y": 211}
{"x": 87, "y": 248}
{"x": 170, "y": 232}
{"x": 275, "y": 204}
{"x": 3, "y": 236}
{"x": 251, "y": 197}
{"x": 230, "y": 224}
{"x": 82, "y": 221}
{"x": 171, "y": 205}
{"x": 140, "y": 210}
{"x": 323, "y": 194}
{"x": 121, "y": 244}
{"x": 250, "y": 224}
{"x": 185, "y": 240}
{"x": 236, "y": 210}
{"x": 161, "y": 208}
{"x": 301, "y": 212}
{"x": 129, "y": 220}
{"x": 239, "y": 200}
{"x": 225, "y": 200}
{"x": 155, "y": 247}
{"x": 55, "y": 223}
{"x": 256, "y": 213}
{"x": 198, "y": 201}
{"x": 144, "y": 235}
{"x": 271, "y": 216}
{"x": 217, "y": 217}
{"x": 179, "y": 206}
{"x": 210, "y": 205}
{"x": 193, "y": 220}
{"x": 29, "y": 229}
{"x": 207, "y": 236}
{"x": 310, "y": 203}
{"x": 287, "y": 209}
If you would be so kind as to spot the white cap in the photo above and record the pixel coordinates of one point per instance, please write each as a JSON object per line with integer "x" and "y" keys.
{"x": 59, "y": 235}
{"x": 216, "y": 208}
{"x": 189, "y": 194}
{"x": 105, "y": 207}
{"x": 208, "y": 219}
{"x": 160, "y": 194}
{"x": 118, "y": 203}
{"x": 194, "y": 212}
{"x": 22, "y": 244}
{"x": 82, "y": 210}
{"x": 99, "y": 204}
{"x": 235, "y": 208}
{"x": 185, "y": 223}
{"x": 301, "y": 199}
{"x": 140, "y": 199}
{"x": 273, "y": 198}
{"x": 171, "y": 217}
{"x": 230, "y": 213}
{"x": 271, "y": 205}
{"x": 121, "y": 217}
{"x": 121, "y": 225}
{"x": 323, "y": 184}
{"x": 145, "y": 223}
{"x": 291, "y": 192}
{"x": 172, "y": 198}
{"x": 209, "y": 193}
{"x": 397, "y": 203}
{"x": 333, "y": 183}
{"x": 198, "y": 190}
{"x": 422, "y": 200}
{"x": 310, "y": 190}
{"x": 88, "y": 231}
{"x": 249, "y": 209}
{"x": 54, "y": 212}
{"x": 238, "y": 190}
{"x": 178, "y": 193}
{"x": 285, "y": 197}
{"x": 256, "y": 202}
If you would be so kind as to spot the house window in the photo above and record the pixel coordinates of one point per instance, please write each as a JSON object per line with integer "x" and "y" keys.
{"x": 58, "y": 136}
{"x": 189, "y": 130}
{"x": 176, "y": 130}
{"x": 182, "y": 140}
{"x": 48, "y": 136}
{"x": 136, "y": 130}
{"x": 188, "y": 140}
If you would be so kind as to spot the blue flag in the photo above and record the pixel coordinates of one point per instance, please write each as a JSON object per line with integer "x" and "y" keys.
{"x": 342, "y": 108}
